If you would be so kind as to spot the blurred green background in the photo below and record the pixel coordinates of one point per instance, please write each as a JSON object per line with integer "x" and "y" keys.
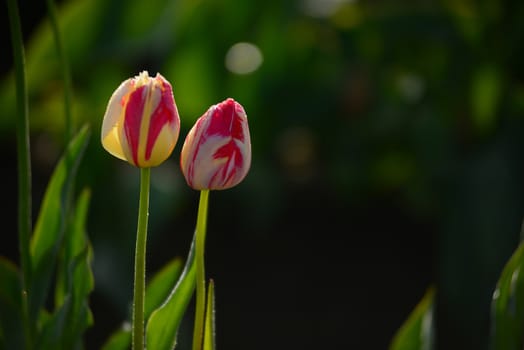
{"x": 387, "y": 157}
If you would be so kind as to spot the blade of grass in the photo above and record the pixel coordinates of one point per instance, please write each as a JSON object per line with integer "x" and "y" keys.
{"x": 64, "y": 64}
{"x": 11, "y": 322}
{"x": 209, "y": 330}
{"x": 51, "y": 223}
{"x": 157, "y": 291}
{"x": 507, "y": 305}
{"x": 162, "y": 326}
{"x": 417, "y": 332}
{"x": 24, "y": 161}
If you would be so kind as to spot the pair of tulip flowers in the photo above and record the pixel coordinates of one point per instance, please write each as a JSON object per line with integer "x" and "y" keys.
{"x": 141, "y": 126}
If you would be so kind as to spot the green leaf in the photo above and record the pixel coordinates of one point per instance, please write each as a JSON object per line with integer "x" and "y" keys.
{"x": 10, "y": 285}
{"x": 507, "y": 310}
{"x": 11, "y": 326}
{"x": 157, "y": 290}
{"x": 163, "y": 324}
{"x": 51, "y": 221}
{"x": 209, "y": 330}
{"x": 53, "y": 328}
{"x": 64, "y": 328}
{"x": 79, "y": 317}
{"x": 79, "y": 255}
{"x": 77, "y": 280}
{"x": 119, "y": 340}
{"x": 486, "y": 90}
{"x": 417, "y": 332}
{"x": 75, "y": 241}
{"x": 162, "y": 283}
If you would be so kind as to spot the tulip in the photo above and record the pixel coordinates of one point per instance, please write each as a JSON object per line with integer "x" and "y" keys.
{"x": 216, "y": 154}
{"x": 141, "y": 123}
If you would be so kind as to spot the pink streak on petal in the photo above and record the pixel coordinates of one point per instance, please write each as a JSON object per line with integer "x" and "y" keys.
{"x": 225, "y": 121}
{"x": 132, "y": 119}
{"x": 228, "y": 170}
{"x": 229, "y": 150}
{"x": 163, "y": 114}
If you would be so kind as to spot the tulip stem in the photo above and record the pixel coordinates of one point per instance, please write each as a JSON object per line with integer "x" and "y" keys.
{"x": 140, "y": 261}
{"x": 200, "y": 308}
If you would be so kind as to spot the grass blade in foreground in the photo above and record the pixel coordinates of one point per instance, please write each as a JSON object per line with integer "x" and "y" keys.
{"x": 51, "y": 221}
{"x": 23, "y": 167}
{"x": 507, "y": 313}
{"x": 22, "y": 141}
{"x": 119, "y": 340}
{"x": 66, "y": 76}
{"x": 157, "y": 290}
{"x": 417, "y": 332}
{"x": 11, "y": 326}
{"x": 162, "y": 327}
{"x": 209, "y": 326}
{"x": 64, "y": 328}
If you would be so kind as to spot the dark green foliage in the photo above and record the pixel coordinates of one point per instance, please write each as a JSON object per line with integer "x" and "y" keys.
{"x": 397, "y": 126}
{"x": 508, "y": 305}
{"x": 157, "y": 292}
{"x": 162, "y": 325}
{"x": 59, "y": 245}
{"x": 418, "y": 332}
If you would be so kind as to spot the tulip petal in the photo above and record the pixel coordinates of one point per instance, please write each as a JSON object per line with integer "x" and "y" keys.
{"x": 132, "y": 123}
{"x": 217, "y": 151}
{"x": 162, "y": 147}
{"x": 164, "y": 126}
{"x": 113, "y": 118}
{"x": 141, "y": 124}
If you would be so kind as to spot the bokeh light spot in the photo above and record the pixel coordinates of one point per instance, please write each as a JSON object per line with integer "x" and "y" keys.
{"x": 411, "y": 86}
{"x": 322, "y": 8}
{"x": 243, "y": 58}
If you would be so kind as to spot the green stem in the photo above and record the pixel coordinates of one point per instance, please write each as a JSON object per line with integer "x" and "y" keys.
{"x": 140, "y": 261}
{"x": 198, "y": 331}
{"x": 24, "y": 162}
{"x": 51, "y": 8}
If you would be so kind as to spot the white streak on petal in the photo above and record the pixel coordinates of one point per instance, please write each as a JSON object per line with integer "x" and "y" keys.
{"x": 199, "y": 165}
{"x": 113, "y": 119}
{"x": 205, "y": 166}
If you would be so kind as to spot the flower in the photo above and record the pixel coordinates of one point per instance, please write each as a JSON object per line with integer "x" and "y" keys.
{"x": 216, "y": 154}
{"x": 141, "y": 123}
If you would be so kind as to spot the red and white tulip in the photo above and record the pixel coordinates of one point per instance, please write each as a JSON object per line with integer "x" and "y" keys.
{"x": 216, "y": 154}
{"x": 141, "y": 123}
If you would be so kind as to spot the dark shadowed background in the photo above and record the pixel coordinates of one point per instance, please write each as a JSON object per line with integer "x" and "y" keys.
{"x": 387, "y": 157}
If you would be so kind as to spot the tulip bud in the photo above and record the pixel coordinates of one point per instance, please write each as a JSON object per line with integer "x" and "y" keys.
{"x": 217, "y": 151}
{"x": 141, "y": 123}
